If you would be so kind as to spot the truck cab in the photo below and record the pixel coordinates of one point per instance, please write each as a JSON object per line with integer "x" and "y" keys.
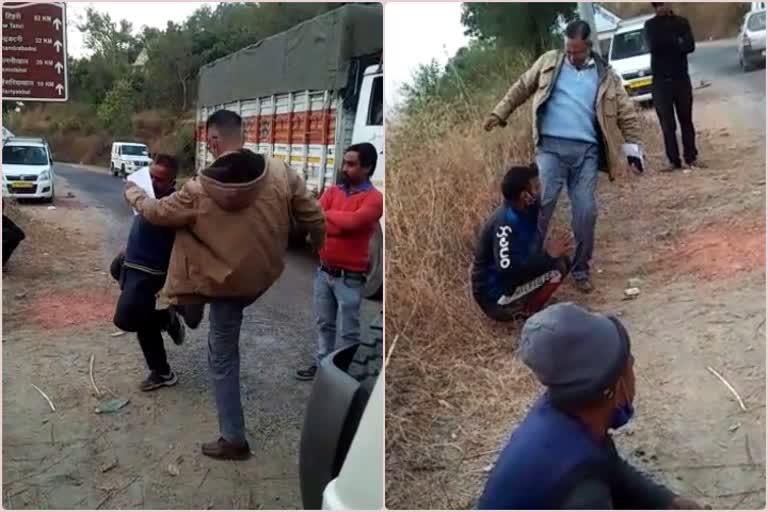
{"x": 630, "y": 57}
{"x": 369, "y": 127}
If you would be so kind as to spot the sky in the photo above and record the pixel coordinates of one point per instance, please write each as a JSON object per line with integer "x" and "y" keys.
{"x": 151, "y": 14}
{"x": 415, "y": 33}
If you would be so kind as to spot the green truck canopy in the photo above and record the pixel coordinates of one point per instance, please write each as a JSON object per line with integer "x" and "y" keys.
{"x": 313, "y": 55}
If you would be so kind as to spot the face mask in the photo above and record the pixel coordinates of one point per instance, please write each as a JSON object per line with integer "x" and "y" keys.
{"x": 621, "y": 415}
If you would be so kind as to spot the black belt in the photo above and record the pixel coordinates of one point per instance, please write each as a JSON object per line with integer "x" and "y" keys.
{"x": 340, "y": 272}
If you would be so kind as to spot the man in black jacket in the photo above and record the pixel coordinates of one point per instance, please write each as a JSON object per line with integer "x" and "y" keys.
{"x": 141, "y": 272}
{"x": 671, "y": 40}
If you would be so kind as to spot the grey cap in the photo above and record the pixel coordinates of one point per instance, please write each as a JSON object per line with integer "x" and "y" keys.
{"x": 576, "y": 354}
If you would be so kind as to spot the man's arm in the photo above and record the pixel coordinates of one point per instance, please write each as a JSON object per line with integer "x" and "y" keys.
{"x": 627, "y": 119}
{"x": 177, "y": 210}
{"x": 685, "y": 40}
{"x": 636, "y": 490}
{"x": 369, "y": 212}
{"x": 305, "y": 209}
{"x": 520, "y": 91}
{"x": 325, "y": 203}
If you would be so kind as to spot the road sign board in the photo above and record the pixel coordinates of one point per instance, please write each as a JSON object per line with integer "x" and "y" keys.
{"x": 35, "y": 51}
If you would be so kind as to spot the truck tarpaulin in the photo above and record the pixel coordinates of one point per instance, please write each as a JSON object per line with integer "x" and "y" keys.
{"x": 314, "y": 55}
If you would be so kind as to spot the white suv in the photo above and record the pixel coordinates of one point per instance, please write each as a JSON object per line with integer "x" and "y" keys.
{"x": 751, "y": 42}
{"x": 128, "y": 157}
{"x": 630, "y": 57}
{"x": 28, "y": 169}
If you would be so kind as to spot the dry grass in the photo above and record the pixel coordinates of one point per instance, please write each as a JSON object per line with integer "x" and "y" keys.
{"x": 454, "y": 386}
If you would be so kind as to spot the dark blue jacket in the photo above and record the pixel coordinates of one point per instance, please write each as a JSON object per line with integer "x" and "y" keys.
{"x": 508, "y": 242}
{"x": 149, "y": 246}
{"x": 548, "y": 454}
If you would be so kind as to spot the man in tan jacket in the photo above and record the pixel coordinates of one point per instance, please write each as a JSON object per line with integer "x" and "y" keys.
{"x": 581, "y": 117}
{"x": 233, "y": 222}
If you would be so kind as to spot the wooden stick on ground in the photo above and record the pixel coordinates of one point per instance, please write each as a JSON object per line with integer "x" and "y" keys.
{"x": 93, "y": 382}
{"x": 45, "y": 396}
{"x": 722, "y": 379}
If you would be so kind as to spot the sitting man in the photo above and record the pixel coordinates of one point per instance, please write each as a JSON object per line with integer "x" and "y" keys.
{"x": 141, "y": 271}
{"x": 511, "y": 275}
{"x": 561, "y": 456}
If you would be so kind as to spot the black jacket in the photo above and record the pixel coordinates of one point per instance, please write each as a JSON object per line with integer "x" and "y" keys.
{"x": 149, "y": 246}
{"x": 670, "y": 40}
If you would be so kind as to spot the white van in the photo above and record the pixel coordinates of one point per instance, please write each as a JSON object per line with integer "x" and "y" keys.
{"x": 128, "y": 157}
{"x": 630, "y": 57}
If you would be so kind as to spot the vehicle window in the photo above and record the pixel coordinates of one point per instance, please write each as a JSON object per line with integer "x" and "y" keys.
{"x": 134, "y": 150}
{"x": 25, "y": 155}
{"x": 376, "y": 108}
{"x": 756, "y": 21}
{"x": 629, "y": 44}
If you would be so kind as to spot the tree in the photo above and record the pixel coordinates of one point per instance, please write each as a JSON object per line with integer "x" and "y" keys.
{"x": 529, "y": 26}
{"x": 118, "y": 107}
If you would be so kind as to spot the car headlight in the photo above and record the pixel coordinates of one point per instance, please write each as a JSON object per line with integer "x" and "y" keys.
{"x": 44, "y": 176}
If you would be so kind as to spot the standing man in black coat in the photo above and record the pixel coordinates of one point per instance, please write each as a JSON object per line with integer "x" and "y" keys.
{"x": 671, "y": 40}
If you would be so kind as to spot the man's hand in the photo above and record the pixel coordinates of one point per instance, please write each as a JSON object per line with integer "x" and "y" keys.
{"x": 680, "y": 503}
{"x": 635, "y": 164}
{"x": 129, "y": 185}
{"x": 491, "y": 122}
{"x": 558, "y": 247}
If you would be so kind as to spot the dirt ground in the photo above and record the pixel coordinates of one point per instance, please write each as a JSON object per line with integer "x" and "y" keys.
{"x": 696, "y": 240}
{"x": 58, "y": 303}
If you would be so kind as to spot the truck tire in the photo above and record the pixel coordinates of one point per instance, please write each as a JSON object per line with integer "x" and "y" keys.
{"x": 374, "y": 284}
{"x": 369, "y": 357}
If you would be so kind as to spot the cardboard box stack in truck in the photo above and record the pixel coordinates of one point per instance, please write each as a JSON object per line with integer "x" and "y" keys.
{"x": 305, "y": 95}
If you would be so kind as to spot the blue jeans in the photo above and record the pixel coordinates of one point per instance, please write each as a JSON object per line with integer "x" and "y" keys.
{"x": 561, "y": 162}
{"x": 226, "y": 317}
{"x": 337, "y": 297}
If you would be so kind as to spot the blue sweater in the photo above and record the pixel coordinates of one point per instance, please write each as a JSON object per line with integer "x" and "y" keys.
{"x": 569, "y": 113}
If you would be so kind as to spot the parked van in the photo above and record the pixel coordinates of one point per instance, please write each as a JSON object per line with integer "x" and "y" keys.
{"x": 630, "y": 57}
{"x": 128, "y": 157}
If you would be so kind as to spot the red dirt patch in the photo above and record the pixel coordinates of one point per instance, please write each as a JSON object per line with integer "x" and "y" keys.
{"x": 60, "y": 309}
{"x": 719, "y": 251}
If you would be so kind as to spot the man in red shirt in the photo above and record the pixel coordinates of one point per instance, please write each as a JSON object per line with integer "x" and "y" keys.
{"x": 352, "y": 210}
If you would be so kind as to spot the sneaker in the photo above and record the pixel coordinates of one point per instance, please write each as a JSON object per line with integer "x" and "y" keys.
{"x": 191, "y": 313}
{"x": 224, "y": 450}
{"x": 695, "y": 165}
{"x": 584, "y": 285}
{"x": 307, "y": 373}
{"x": 175, "y": 327}
{"x": 155, "y": 381}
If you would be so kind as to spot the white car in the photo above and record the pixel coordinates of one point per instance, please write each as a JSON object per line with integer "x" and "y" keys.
{"x": 630, "y": 57}
{"x": 28, "y": 171}
{"x": 751, "y": 42}
{"x": 128, "y": 157}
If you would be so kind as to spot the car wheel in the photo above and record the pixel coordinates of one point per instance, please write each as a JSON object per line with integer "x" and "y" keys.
{"x": 122, "y": 172}
{"x": 113, "y": 170}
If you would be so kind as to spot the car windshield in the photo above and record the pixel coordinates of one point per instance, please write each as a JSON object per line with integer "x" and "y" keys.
{"x": 629, "y": 44}
{"x": 135, "y": 150}
{"x": 25, "y": 155}
{"x": 756, "y": 22}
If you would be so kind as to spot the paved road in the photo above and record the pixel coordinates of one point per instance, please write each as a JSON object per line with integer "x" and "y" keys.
{"x": 717, "y": 62}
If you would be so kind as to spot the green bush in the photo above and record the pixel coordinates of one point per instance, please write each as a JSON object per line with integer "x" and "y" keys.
{"x": 116, "y": 110}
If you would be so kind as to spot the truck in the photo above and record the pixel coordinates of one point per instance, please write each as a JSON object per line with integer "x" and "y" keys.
{"x": 305, "y": 95}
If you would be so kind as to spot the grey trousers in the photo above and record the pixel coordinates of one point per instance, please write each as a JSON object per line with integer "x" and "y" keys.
{"x": 572, "y": 163}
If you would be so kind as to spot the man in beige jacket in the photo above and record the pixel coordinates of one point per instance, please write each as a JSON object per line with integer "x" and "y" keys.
{"x": 581, "y": 117}
{"x": 233, "y": 222}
